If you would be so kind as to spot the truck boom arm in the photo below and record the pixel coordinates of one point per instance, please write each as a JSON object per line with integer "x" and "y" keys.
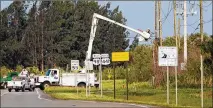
{"x": 93, "y": 30}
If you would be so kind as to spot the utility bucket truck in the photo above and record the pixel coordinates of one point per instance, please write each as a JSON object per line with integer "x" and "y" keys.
{"x": 142, "y": 35}
{"x": 54, "y": 77}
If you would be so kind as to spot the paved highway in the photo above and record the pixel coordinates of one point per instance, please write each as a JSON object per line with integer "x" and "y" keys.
{"x": 39, "y": 99}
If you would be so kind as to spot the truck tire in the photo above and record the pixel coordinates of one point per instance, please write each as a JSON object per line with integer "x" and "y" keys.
{"x": 9, "y": 89}
{"x": 23, "y": 89}
{"x": 17, "y": 90}
{"x": 44, "y": 85}
{"x": 31, "y": 88}
{"x": 81, "y": 84}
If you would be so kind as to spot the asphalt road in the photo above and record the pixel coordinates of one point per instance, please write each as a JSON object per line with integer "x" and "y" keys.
{"x": 39, "y": 99}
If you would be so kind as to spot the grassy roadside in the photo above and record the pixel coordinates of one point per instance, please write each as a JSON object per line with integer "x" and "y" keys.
{"x": 141, "y": 93}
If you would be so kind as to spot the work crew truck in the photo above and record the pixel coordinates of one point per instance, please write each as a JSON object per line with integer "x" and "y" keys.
{"x": 54, "y": 77}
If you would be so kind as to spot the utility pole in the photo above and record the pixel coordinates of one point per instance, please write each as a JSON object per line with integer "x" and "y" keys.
{"x": 159, "y": 21}
{"x": 1, "y": 12}
{"x": 155, "y": 48}
{"x": 201, "y": 57}
{"x": 178, "y": 32}
{"x": 185, "y": 32}
{"x": 174, "y": 5}
{"x": 42, "y": 42}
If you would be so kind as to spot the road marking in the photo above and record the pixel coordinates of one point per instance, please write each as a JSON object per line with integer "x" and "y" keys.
{"x": 39, "y": 96}
{"x": 4, "y": 93}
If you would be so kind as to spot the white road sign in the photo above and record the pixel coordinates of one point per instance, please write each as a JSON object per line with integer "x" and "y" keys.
{"x": 96, "y": 55}
{"x": 96, "y": 61}
{"x": 104, "y": 55}
{"x": 74, "y": 64}
{"x": 89, "y": 65}
{"x": 167, "y": 56}
{"x": 105, "y": 61}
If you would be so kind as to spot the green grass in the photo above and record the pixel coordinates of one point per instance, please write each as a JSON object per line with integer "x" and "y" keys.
{"x": 141, "y": 93}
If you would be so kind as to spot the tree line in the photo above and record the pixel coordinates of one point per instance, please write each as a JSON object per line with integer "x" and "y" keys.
{"x": 54, "y": 32}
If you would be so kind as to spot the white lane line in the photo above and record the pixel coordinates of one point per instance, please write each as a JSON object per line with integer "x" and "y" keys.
{"x": 39, "y": 96}
{"x": 4, "y": 93}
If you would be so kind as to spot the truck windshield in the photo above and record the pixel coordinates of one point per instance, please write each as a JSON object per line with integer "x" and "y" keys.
{"x": 47, "y": 73}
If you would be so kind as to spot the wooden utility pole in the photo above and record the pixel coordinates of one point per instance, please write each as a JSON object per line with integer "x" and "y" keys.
{"x": 42, "y": 43}
{"x": 174, "y": 6}
{"x": 159, "y": 21}
{"x": 201, "y": 57}
{"x": 155, "y": 46}
{"x": 178, "y": 32}
{"x": 176, "y": 41}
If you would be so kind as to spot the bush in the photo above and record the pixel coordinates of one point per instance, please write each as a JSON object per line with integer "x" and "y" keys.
{"x": 4, "y": 71}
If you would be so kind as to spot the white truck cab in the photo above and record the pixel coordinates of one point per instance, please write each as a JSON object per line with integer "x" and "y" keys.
{"x": 54, "y": 77}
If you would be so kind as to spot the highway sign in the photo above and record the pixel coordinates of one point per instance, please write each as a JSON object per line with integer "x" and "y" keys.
{"x": 105, "y": 61}
{"x": 96, "y": 61}
{"x": 74, "y": 64}
{"x": 120, "y": 56}
{"x": 96, "y": 55}
{"x": 104, "y": 55}
{"x": 167, "y": 56}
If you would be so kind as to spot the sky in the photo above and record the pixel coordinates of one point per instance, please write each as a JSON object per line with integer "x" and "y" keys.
{"x": 141, "y": 15}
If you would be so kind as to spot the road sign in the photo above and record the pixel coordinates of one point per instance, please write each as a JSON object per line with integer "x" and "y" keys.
{"x": 167, "y": 56}
{"x": 89, "y": 65}
{"x": 96, "y": 61}
{"x": 74, "y": 64}
{"x": 105, "y": 61}
{"x": 96, "y": 55}
{"x": 104, "y": 55}
{"x": 120, "y": 56}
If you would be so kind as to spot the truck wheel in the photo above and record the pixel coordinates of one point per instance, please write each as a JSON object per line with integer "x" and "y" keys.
{"x": 82, "y": 85}
{"x": 23, "y": 89}
{"x": 17, "y": 90}
{"x": 44, "y": 85}
{"x": 31, "y": 88}
{"x": 9, "y": 89}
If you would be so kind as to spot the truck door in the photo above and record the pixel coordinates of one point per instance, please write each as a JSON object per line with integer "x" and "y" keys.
{"x": 54, "y": 76}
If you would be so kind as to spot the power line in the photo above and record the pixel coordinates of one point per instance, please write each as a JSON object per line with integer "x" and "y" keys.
{"x": 206, "y": 5}
{"x": 204, "y": 22}
{"x": 166, "y": 15}
{"x": 192, "y": 23}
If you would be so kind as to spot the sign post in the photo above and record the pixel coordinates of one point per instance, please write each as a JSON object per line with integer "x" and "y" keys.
{"x": 168, "y": 56}
{"x": 101, "y": 59}
{"x": 120, "y": 57}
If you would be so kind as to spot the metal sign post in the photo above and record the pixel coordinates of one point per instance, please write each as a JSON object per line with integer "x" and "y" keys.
{"x": 120, "y": 57}
{"x": 101, "y": 59}
{"x": 167, "y": 76}
{"x": 88, "y": 66}
{"x": 168, "y": 56}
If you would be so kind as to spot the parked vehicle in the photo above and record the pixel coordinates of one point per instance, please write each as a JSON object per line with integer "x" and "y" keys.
{"x": 54, "y": 77}
{"x": 8, "y": 77}
{"x": 20, "y": 83}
